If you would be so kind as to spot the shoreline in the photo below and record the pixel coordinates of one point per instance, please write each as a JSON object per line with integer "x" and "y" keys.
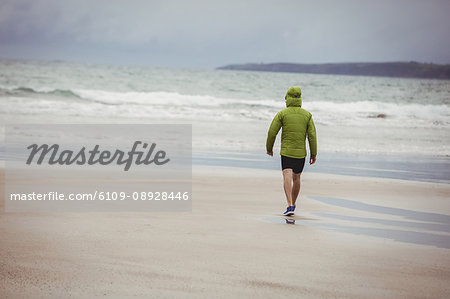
{"x": 409, "y": 167}
{"x": 394, "y": 166}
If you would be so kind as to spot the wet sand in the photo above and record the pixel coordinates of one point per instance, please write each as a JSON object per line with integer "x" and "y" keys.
{"x": 352, "y": 237}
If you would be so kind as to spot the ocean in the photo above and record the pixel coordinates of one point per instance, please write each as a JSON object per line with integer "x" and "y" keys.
{"x": 374, "y": 126}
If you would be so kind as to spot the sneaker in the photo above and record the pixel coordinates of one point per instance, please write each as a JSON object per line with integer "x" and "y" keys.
{"x": 293, "y": 209}
{"x": 288, "y": 212}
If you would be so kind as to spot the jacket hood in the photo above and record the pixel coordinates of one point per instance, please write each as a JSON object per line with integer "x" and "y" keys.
{"x": 293, "y": 97}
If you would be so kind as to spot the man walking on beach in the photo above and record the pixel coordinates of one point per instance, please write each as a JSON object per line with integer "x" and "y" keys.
{"x": 297, "y": 124}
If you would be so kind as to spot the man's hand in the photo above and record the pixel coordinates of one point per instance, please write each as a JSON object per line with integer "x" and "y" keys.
{"x": 312, "y": 160}
{"x": 270, "y": 154}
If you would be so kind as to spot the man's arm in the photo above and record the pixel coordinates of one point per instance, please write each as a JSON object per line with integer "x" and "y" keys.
{"x": 312, "y": 139}
{"x": 274, "y": 128}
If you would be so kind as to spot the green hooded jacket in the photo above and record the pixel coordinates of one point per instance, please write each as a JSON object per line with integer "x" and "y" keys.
{"x": 297, "y": 124}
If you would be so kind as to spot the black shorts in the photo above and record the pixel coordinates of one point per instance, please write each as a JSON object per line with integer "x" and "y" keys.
{"x": 293, "y": 163}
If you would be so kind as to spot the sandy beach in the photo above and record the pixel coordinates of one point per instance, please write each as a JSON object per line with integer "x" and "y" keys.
{"x": 353, "y": 237}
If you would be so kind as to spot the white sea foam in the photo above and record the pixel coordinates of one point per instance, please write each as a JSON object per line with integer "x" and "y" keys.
{"x": 372, "y": 113}
{"x": 148, "y": 98}
{"x": 361, "y": 113}
{"x": 175, "y": 105}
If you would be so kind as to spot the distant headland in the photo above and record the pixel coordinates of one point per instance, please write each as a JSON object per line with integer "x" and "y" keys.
{"x": 386, "y": 69}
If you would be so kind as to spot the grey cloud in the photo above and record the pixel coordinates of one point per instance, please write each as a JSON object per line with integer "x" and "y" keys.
{"x": 211, "y": 33}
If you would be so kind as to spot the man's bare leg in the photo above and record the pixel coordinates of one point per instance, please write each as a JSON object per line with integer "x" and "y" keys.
{"x": 287, "y": 183}
{"x": 295, "y": 187}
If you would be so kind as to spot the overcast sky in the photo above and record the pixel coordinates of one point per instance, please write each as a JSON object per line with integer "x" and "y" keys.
{"x": 207, "y": 34}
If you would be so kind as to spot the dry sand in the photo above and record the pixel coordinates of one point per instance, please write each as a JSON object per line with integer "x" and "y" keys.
{"x": 235, "y": 243}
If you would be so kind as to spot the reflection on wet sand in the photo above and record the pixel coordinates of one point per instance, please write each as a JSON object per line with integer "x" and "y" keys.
{"x": 290, "y": 221}
{"x": 434, "y": 228}
{"x": 408, "y": 214}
